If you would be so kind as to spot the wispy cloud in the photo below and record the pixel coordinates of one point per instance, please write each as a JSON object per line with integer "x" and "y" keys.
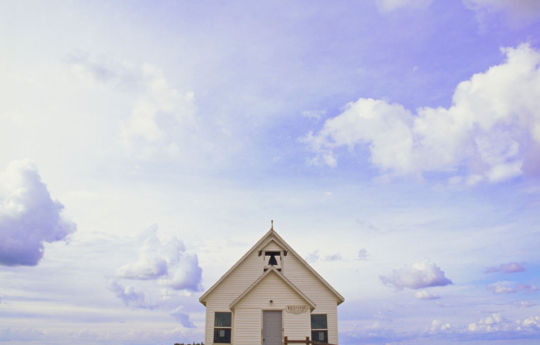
{"x": 511, "y": 267}
{"x": 29, "y": 217}
{"x": 316, "y": 256}
{"x": 505, "y": 287}
{"x": 163, "y": 118}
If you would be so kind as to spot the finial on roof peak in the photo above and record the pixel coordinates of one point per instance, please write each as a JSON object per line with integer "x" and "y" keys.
{"x": 272, "y": 224}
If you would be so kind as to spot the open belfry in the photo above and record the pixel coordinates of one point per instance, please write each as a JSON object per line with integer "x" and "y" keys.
{"x": 271, "y": 296}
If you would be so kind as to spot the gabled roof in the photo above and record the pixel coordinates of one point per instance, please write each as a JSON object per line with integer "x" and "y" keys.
{"x": 283, "y": 278}
{"x": 271, "y": 235}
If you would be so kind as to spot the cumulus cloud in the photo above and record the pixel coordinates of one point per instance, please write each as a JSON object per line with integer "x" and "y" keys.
{"x": 130, "y": 296}
{"x": 419, "y": 275}
{"x": 512, "y": 267}
{"x": 490, "y": 133}
{"x": 426, "y": 295}
{"x": 167, "y": 261}
{"x": 532, "y": 322}
{"x": 491, "y": 323}
{"x": 504, "y": 287}
{"x": 392, "y": 5}
{"x": 438, "y": 326}
{"x": 149, "y": 265}
{"x": 186, "y": 275}
{"x": 29, "y": 217}
{"x": 516, "y": 10}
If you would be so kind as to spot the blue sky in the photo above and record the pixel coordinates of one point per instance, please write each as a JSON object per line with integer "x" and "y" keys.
{"x": 145, "y": 146}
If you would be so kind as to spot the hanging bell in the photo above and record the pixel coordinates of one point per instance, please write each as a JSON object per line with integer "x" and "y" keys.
{"x": 273, "y": 261}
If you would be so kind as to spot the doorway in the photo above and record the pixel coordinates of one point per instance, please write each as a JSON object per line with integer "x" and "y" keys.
{"x": 272, "y": 327}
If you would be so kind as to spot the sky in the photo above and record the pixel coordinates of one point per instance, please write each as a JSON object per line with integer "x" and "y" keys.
{"x": 146, "y": 145}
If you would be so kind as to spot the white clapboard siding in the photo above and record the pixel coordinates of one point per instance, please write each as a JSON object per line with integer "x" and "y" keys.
{"x": 297, "y": 326}
{"x": 272, "y": 246}
{"x": 275, "y": 289}
{"x": 310, "y": 285}
{"x": 249, "y": 332}
{"x": 247, "y": 313}
{"x": 236, "y": 282}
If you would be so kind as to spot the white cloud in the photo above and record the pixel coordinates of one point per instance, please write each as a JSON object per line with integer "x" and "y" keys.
{"x": 167, "y": 261}
{"x": 392, "y": 5}
{"x": 533, "y": 322}
{"x": 29, "y": 217}
{"x": 512, "y": 267}
{"x": 425, "y": 295}
{"x": 162, "y": 120}
{"x": 491, "y": 323}
{"x": 504, "y": 287}
{"x": 419, "y": 275}
{"x": 437, "y": 326}
{"x": 491, "y": 132}
{"x": 496, "y": 323}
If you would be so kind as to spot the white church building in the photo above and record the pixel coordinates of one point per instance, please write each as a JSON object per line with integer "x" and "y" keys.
{"x": 270, "y": 296}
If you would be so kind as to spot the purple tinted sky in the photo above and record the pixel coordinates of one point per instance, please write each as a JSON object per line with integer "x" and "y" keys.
{"x": 145, "y": 145}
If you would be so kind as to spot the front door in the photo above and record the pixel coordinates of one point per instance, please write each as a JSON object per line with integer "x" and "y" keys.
{"x": 272, "y": 327}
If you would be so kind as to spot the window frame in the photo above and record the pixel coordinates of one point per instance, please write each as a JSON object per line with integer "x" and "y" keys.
{"x": 217, "y": 328}
{"x": 313, "y": 330}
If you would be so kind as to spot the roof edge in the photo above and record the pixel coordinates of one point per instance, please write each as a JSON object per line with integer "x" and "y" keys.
{"x": 260, "y": 242}
{"x": 283, "y": 278}
{"x": 203, "y": 297}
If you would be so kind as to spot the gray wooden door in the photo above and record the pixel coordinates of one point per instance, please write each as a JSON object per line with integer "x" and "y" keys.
{"x": 272, "y": 327}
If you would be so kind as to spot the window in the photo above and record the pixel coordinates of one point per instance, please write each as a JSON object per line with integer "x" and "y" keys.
{"x": 319, "y": 328}
{"x": 222, "y": 328}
